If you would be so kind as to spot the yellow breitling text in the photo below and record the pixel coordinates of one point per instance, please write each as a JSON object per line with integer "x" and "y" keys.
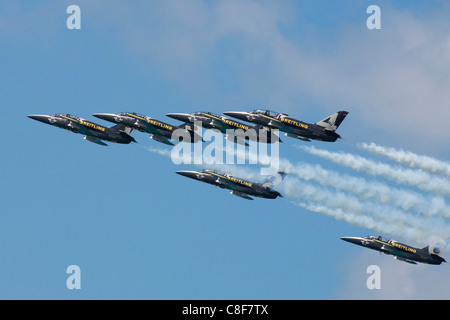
{"x": 92, "y": 125}
{"x": 235, "y": 124}
{"x": 159, "y": 124}
{"x": 403, "y": 247}
{"x": 245, "y": 183}
{"x": 295, "y": 123}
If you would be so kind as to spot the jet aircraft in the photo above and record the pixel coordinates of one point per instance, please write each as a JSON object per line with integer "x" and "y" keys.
{"x": 324, "y": 130}
{"x": 238, "y": 187}
{"x": 400, "y": 251}
{"x": 92, "y": 132}
{"x": 158, "y": 130}
{"x": 233, "y": 130}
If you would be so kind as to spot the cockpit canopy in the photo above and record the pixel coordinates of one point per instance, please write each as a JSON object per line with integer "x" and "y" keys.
{"x": 202, "y": 113}
{"x": 67, "y": 116}
{"x": 269, "y": 113}
{"x": 380, "y": 238}
{"x": 136, "y": 114}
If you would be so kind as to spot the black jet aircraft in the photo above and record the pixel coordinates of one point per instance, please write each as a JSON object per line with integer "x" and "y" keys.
{"x": 238, "y": 187}
{"x": 92, "y": 132}
{"x": 233, "y": 130}
{"x": 158, "y": 130}
{"x": 400, "y": 251}
{"x": 324, "y": 130}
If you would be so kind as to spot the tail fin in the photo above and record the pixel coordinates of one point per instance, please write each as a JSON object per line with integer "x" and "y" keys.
{"x": 332, "y": 122}
{"x": 436, "y": 247}
{"x": 274, "y": 180}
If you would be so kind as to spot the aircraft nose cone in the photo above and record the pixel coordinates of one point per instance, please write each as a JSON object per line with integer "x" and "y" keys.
{"x": 354, "y": 240}
{"x": 237, "y": 114}
{"x": 189, "y": 174}
{"x": 105, "y": 116}
{"x": 41, "y": 118}
{"x": 179, "y": 116}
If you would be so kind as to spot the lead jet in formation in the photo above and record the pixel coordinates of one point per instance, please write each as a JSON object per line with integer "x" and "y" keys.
{"x": 233, "y": 130}
{"x": 92, "y": 132}
{"x": 238, "y": 187}
{"x": 324, "y": 130}
{"x": 158, "y": 130}
{"x": 400, "y": 251}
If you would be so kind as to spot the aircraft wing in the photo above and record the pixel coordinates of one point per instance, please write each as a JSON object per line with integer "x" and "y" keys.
{"x": 225, "y": 183}
{"x": 272, "y": 122}
{"x": 395, "y": 252}
{"x": 148, "y": 127}
{"x": 80, "y": 128}
{"x": 219, "y": 123}
{"x": 235, "y": 189}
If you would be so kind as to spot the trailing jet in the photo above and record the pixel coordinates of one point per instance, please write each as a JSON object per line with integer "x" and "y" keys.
{"x": 233, "y": 130}
{"x": 238, "y": 187}
{"x": 400, "y": 251}
{"x": 92, "y": 132}
{"x": 324, "y": 130}
{"x": 158, "y": 130}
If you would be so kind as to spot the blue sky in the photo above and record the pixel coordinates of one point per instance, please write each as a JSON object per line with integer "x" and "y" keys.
{"x": 135, "y": 228}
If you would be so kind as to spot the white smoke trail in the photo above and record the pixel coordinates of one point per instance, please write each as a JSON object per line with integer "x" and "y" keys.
{"x": 364, "y": 221}
{"x": 414, "y": 178}
{"x": 410, "y": 159}
{"x": 369, "y": 190}
{"x": 366, "y": 190}
{"x": 370, "y": 208}
{"x": 366, "y": 214}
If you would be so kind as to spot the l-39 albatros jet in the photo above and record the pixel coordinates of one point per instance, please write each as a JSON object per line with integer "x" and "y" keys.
{"x": 238, "y": 187}
{"x": 158, "y": 130}
{"x": 324, "y": 130}
{"x": 233, "y": 130}
{"x": 400, "y": 251}
{"x": 92, "y": 132}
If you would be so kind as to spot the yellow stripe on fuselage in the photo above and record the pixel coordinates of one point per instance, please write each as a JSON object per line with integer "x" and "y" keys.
{"x": 271, "y": 118}
{"x": 232, "y": 179}
{"x": 151, "y": 121}
{"x": 85, "y": 123}
{"x": 398, "y": 246}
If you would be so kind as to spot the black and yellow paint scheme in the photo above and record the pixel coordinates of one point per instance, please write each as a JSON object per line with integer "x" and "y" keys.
{"x": 234, "y": 131}
{"x": 324, "y": 130}
{"x": 92, "y": 132}
{"x": 158, "y": 130}
{"x": 400, "y": 251}
{"x": 239, "y": 187}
